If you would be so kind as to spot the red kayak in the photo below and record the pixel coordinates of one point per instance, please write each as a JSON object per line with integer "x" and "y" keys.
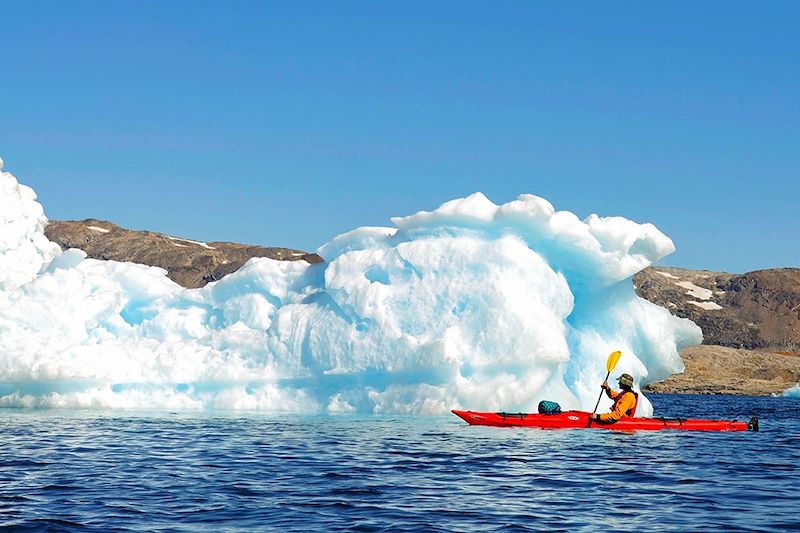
{"x": 580, "y": 419}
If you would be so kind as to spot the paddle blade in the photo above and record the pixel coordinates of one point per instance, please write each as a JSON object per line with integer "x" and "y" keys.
{"x": 613, "y": 358}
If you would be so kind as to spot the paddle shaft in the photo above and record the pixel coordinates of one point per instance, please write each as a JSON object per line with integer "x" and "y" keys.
{"x": 601, "y": 394}
{"x": 613, "y": 358}
{"x": 602, "y": 390}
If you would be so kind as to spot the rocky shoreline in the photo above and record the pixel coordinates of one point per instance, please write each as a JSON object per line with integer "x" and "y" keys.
{"x": 721, "y": 370}
{"x": 750, "y": 323}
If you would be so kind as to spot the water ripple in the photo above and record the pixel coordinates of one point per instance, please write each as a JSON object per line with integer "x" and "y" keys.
{"x": 101, "y": 471}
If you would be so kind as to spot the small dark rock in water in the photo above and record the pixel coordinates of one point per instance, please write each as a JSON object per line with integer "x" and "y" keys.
{"x": 189, "y": 263}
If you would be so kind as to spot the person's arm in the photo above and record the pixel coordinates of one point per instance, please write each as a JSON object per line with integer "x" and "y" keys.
{"x": 623, "y": 405}
{"x": 611, "y": 393}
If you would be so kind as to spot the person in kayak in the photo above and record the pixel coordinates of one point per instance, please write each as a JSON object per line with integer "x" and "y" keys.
{"x": 624, "y": 401}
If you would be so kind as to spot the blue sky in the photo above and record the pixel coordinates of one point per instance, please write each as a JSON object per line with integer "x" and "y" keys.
{"x": 286, "y": 123}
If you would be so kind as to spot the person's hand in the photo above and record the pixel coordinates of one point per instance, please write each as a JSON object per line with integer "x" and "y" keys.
{"x": 605, "y": 386}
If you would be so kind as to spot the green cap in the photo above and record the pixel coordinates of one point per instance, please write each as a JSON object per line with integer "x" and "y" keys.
{"x": 626, "y": 379}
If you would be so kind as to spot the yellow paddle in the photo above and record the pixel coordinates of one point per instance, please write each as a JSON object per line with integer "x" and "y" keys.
{"x": 611, "y": 362}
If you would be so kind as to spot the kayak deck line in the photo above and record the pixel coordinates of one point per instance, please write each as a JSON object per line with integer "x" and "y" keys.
{"x": 580, "y": 420}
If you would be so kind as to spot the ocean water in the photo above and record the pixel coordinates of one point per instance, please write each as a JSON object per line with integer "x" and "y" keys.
{"x": 124, "y": 471}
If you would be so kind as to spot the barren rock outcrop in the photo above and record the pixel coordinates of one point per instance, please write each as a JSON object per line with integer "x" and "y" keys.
{"x": 721, "y": 370}
{"x": 756, "y": 310}
{"x": 187, "y": 262}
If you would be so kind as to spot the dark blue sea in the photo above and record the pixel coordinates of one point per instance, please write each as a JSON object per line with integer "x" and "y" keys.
{"x": 123, "y": 471}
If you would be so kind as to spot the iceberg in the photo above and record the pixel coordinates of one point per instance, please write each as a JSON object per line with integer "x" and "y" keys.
{"x": 792, "y": 392}
{"x": 472, "y": 305}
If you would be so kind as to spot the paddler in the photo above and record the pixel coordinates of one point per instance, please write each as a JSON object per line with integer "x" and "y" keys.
{"x": 624, "y": 401}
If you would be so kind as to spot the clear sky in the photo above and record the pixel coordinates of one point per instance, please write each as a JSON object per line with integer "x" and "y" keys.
{"x": 286, "y": 123}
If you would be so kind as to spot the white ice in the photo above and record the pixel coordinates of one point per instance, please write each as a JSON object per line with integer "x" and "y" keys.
{"x": 472, "y": 305}
{"x": 792, "y": 392}
{"x": 23, "y": 246}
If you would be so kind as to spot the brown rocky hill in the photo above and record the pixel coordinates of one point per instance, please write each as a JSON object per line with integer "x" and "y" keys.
{"x": 757, "y": 310}
{"x": 750, "y": 323}
{"x": 187, "y": 262}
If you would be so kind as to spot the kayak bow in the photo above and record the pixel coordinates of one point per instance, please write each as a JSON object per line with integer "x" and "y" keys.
{"x": 580, "y": 419}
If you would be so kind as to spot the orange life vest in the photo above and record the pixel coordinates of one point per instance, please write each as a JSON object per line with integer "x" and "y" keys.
{"x": 632, "y": 410}
{"x": 615, "y": 415}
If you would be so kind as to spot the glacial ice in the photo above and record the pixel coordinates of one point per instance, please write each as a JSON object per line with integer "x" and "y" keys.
{"x": 792, "y": 392}
{"x": 471, "y": 305}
